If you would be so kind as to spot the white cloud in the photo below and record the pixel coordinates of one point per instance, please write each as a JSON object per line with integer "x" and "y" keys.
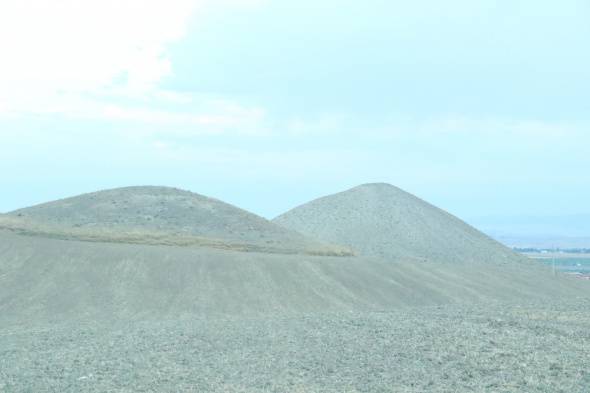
{"x": 219, "y": 118}
{"x": 79, "y": 58}
{"x": 53, "y": 46}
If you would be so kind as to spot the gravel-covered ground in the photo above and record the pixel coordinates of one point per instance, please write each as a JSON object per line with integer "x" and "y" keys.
{"x": 488, "y": 348}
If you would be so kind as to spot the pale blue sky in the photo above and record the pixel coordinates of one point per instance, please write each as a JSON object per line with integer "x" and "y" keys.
{"x": 480, "y": 107}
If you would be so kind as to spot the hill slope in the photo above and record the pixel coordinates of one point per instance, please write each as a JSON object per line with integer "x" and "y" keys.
{"x": 160, "y": 215}
{"x": 44, "y": 280}
{"x": 382, "y": 220}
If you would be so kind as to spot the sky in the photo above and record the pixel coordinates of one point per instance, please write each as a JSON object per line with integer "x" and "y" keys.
{"x": 479, "y": 107}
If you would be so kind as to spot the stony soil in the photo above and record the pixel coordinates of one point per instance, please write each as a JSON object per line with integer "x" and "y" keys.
{"x": 489, "y": 348}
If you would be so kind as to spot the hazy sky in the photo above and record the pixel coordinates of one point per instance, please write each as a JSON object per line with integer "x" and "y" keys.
{"x": 481, "y": 107}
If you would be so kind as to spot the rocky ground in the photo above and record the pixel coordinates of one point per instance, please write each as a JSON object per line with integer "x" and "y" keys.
{"x": 486, "y": 348}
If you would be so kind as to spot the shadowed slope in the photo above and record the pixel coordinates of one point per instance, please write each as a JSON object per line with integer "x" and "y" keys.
{"x": 44, "y": 280}
{"x": 382, "y": 220}
{"x": 160, "y": 215}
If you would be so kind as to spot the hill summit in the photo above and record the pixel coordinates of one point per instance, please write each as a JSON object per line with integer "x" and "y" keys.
{"x": 49, "y": 275}
{"x": 160, "y": 215}
{"x": 382, "y": 220}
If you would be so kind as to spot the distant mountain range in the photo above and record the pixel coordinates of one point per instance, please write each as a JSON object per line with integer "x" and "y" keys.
{"x": 567, "y": 231}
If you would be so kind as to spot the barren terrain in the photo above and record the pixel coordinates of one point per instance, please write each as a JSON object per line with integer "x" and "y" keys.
{"x": 488, "y": 348}
{"x": 96, "y": 297}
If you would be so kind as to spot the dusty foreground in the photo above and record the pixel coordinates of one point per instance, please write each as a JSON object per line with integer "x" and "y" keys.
{"x": 493, "y": 348}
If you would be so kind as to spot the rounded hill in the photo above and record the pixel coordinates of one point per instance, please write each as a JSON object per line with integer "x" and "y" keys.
{"x": 383, "y": 220}
{"x": 160, "y": 215}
